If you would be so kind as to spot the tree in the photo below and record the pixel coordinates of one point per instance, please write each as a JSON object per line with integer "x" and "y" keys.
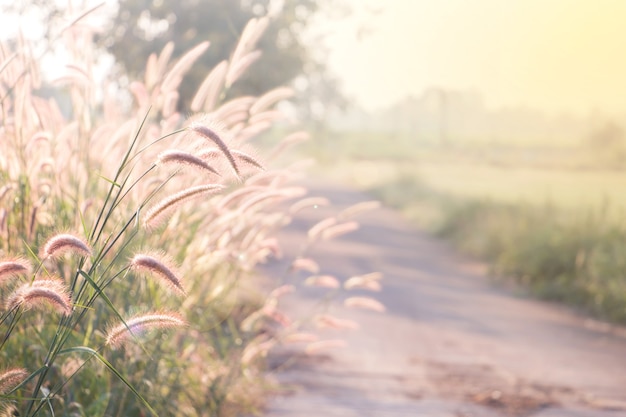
{"x": 142, "y": 27}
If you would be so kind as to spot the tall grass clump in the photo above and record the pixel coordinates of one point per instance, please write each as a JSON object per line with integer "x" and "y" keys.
{"x": 129, "y": 233}
{"x": 568, "y": 256}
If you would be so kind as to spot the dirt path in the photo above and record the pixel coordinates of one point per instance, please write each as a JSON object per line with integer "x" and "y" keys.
{"x": 450, "y": 344}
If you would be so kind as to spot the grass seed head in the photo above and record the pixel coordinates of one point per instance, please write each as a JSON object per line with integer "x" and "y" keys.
{"x": 39, "y": 294}
{"x": 118, "y": 335}
{"x": 13, "y": 267}
{"x": 213, "y": 136}
{"x": 159, "y": 210}
{"x": 365, "y": 302}
{"x": 161, "y": 268}
{"x": 184, "y": 158}
{"x": 63, "y": 243}
{"x": 10, "y": 378}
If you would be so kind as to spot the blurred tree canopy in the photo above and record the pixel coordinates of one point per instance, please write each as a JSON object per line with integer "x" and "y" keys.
{"x": 145, "y": 26}
{"x": 141, "y": 27}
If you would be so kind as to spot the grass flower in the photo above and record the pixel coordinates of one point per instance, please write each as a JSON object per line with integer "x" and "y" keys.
{"x": 305, "y": 264}
{"x": 13, "y": 267}
{"x": 39, "y": 294}
{"x": 118, "y": 335}
{"x": 161, "y": 269}
{"x": 328, "y": 321}
{"x": 364, "y": 302}
{"x": 184, "y": 158}
{"x": 316, "y": 230}
{"x": 212, "y": 135}
{"x": 255, "y": 349}
{"x": 337, "y": 230}
{"x": 366, "y": 282}
{"x": 11, "y": 377}
{"x": 156, "y": 213}
{"x": 270, "y": 98}
{"x": 63, "y": 243}
{"x": 325, "y": 281}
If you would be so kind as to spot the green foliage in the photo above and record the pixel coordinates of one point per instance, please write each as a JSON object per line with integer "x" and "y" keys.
{"x": 142, "y": 27}
{"x": 574, "y": 258}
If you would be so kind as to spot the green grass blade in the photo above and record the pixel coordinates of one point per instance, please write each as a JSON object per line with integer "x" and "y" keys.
{"x": 115, "y": 372}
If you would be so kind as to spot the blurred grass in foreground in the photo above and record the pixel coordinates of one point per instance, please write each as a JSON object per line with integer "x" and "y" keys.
{"x": 549, "y": 218}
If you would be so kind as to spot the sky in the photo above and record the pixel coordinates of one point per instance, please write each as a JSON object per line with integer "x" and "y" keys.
{"x": 553, "y": 55}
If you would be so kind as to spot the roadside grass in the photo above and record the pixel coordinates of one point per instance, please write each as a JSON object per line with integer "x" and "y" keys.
{"x": 130, "y": 237}
{"x": 549, "y": 219}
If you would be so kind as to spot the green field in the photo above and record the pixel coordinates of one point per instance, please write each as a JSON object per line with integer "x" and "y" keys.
{"x": 549, "y": 218}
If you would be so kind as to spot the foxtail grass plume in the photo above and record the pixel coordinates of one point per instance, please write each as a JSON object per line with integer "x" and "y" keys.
{"x": 158, "y": 211}
{"x": 10, "y": 378}
{"x": 184, "y": 158}
{"x": 235, "y": 196}
{"x": 339, "y": 230}
{"x": 305, "y": 264}
{"x": 175, "y": 76}
{"x": 278, "y": 316}
{"x": 10, "y": 268}
{"x": 270, "y": 98}
{"x": 255, "y": 349}
{"x": 160, "y": 268}
{"x": 367, "y": 282}
{"x": 322, "y": 345}
{"x": 208, "y": 92}
{"x": 325, "y": 281}
{"x": 364, "y": 302}
{"x": 40, "y": 294}
{"x": 319, "y": 227}
{"x": 238, "y": 67}
{"x": 328, "y": 321}
{"x": 136, "y": 326}
{"x": 63, "y": 243}
{"x": 236, "y": 105}
{"x": 251, "y": 34}
{"x": 212, "y": 135}
{"x": 282, "y": 290}
{"x": 247, "y": 159}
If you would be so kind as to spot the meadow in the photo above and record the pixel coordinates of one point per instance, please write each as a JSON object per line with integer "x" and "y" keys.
{"x": 547, "y": 217}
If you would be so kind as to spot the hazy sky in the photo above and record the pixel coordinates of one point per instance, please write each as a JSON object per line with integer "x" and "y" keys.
{"x": 552, "y": 54}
